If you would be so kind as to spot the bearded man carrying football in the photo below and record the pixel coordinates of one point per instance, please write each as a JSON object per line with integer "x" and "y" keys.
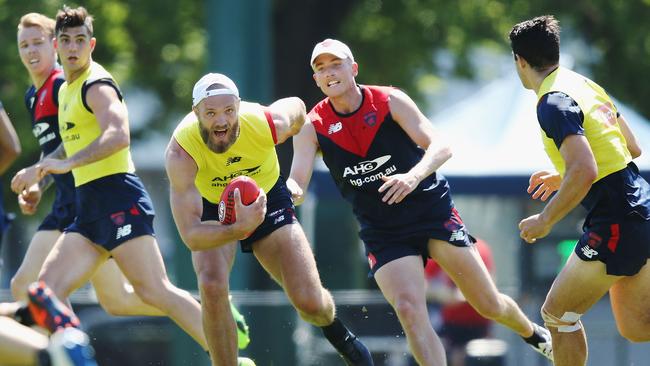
{"x": 221, "y": 139}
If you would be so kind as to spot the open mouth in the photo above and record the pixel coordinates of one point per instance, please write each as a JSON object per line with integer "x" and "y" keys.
{"x": 34, "y": 61}
{"x": 220, "y": 133}
{"x": 333, "y": 83}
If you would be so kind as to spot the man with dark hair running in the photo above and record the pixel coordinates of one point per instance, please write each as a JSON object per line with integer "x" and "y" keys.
{"x": 591, "y": 147}
{"x": 114, "y": 214}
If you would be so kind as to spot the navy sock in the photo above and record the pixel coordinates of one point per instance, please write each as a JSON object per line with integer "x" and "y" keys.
{"x": 335, "y": 332}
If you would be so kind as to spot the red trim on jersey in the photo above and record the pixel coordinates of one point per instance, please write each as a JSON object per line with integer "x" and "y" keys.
{"x": 269, "y": 119}
{"x": 44, "y": 102}
{"x": 612, "y": 243}
{"x": 356, "y": 131}
{"x": 372, "y": 261}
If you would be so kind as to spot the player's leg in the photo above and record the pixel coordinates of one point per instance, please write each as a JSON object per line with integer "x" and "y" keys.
{"x": 630, "y": 298}
{"x": 39, "y": 247}
{"x": 71, "y": 263}
{"x": 466, "y": 269}
{"x": 212, "y": 269}
{"x": 142, "y": 264}
{"x": 286, "y": 255}
{"x": 576, "y": 289}
{"x": 403, "y": 284}
{"x": 116, "y": 295}
{"x": 19, "y": 344}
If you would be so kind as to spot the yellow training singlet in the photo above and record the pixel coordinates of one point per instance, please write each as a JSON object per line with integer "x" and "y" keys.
{"x": 600, "y": 123}
{"x": 79, "y": 127}
{"x": 253, "y": 153}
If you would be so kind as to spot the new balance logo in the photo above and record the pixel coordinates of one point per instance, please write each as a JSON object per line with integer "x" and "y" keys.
{"x": 457, "y": 235}
{"x": 334, "y": 128}
{"x": 278, "y": 220}
{"x": 588, "y": 252}
{"x": 123, "y": 231}
{"x": 233, "y": 159}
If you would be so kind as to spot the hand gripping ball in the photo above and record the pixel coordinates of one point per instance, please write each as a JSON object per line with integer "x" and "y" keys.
{"x": 248, "y": 190}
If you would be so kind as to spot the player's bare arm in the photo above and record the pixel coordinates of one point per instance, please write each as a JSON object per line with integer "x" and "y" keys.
{"x": 289, "y": 115}
{"x": 187, "y": 206}
{"x": 422, "y": 132}
{"x": 26, "y": 178}
{"x": 632, "y": 144}
{"x": 305, "y": 146}
{"x": 112, "y": 117}
{"x": 9, "y": 144}
{"x": 581, "y": 172}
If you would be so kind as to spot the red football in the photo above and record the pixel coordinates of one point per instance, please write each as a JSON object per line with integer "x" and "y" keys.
{"x": 248, "y": 190}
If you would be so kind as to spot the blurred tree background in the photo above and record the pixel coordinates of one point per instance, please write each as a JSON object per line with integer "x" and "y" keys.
{"x": 160, "y": 46}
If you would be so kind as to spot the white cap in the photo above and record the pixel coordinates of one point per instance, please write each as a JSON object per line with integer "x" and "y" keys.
{"x": 201, "y": 91}
{"x": 331, "y": 46}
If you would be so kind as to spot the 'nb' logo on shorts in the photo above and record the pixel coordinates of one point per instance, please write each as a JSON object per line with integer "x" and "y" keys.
{"x": 588, "y": 252}
{"x": 457, "y": 235}
{"x": 123, "y": 231}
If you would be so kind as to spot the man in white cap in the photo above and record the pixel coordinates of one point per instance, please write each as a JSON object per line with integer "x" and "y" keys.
{"x": 383, "y": 153}
{"x": 223, "y": 138}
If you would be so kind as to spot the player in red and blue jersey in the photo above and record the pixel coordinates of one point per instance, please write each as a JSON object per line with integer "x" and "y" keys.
{"x": 591, "y": 147}
{"x": 383, "y": 154}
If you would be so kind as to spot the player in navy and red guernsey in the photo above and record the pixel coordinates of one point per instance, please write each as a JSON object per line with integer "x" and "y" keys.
{"x": 36, "y": 49}
{"x": 37, "y": 52}
{"x": 383, "y": 154}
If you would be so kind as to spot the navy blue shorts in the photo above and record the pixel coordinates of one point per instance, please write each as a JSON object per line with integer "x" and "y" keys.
{"x": 112, "y": 210}
{"x": 279, "y": 212}
{"x": 448, "y": 228}
{"x": 59, "y": 218}
{"x": 622, "y": 243}
{"x": 115, "y": 228}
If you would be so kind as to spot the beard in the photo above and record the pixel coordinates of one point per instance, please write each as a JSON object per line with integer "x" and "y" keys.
{"x": 219, "y": 147}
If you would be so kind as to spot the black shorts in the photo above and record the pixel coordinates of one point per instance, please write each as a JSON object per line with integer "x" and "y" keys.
{"x": 448, "y": 228}
{"x": 59, "y": 218}
{"x": 280, "y": 211}
{"x": 115, "y": 228}
{"x": 622, "y": 243}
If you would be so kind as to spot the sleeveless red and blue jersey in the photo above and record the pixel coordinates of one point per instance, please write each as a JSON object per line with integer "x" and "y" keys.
{"x": 361, "y": 147}
{"x": 43, "y": 106}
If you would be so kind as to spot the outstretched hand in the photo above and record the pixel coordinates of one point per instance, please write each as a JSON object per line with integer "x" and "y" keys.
{"x": 27, "y": 177}
{"x": 398, "y": 186}
{"x": 542, "y": 184}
